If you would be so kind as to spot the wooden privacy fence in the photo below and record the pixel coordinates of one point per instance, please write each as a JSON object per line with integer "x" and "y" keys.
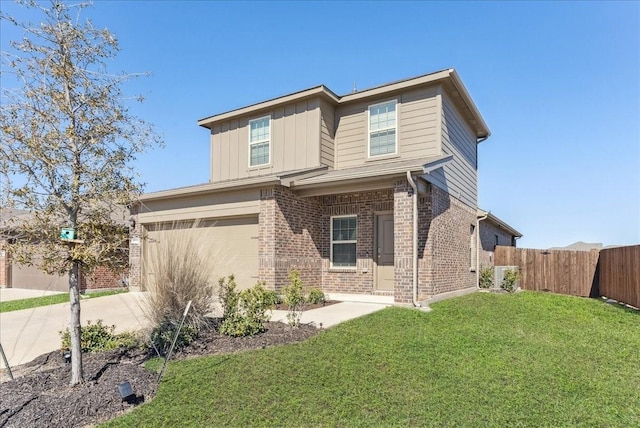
{"x": 620, "y": 274}
{"x": 557, "y": 271}
{"x": 612, "y": 272}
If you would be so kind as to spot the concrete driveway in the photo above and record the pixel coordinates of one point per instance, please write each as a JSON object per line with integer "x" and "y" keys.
{"x": 29, "y": 333}
{"x": 26, "y": 334}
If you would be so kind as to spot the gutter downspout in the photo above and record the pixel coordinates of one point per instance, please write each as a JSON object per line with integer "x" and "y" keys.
{"x": 414, "y": 296}
{"x": 478, "y": 220}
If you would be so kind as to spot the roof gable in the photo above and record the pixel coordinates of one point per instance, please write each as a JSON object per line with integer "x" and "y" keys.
{"x": 448, "y": 78}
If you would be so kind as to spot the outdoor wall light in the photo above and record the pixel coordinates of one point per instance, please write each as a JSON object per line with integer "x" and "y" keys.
{"x": 126, "y": 392}
{"x": 132, "y": 222}
{"x": 66, "y": 355}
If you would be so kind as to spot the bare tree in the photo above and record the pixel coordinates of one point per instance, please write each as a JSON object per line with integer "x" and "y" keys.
{"x": 67, "y": 144}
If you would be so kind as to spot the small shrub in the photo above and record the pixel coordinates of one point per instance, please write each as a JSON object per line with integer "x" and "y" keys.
{"x": 510, "y": 280}
{"x": 272, "y": 298}
{"x": 162, "y": 336}
{"x": 486, "y": 277}
{"x": 249, "y": 314}
{"x": 99, "y": 337}
{"x": 316, "y": 297}
{"x": 294, "y": 299}
{"x": 228, "y": 296}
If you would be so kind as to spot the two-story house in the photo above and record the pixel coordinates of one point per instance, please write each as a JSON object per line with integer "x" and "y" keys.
{"x": 370, "y": 193}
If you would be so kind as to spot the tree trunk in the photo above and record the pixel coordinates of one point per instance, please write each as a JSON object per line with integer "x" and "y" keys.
{"x": 74, "y": 326}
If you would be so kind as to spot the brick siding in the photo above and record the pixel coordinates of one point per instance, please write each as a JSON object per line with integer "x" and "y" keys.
{"x": 4, "y": 266}
{"x": 135, "y": 251}
{"x": 102, "y": 278}
{"x": 448, "y": 245}
{"x": 364, "y": 205}
{"x": 403, "y": 241}
{"x": 289, "y": 238}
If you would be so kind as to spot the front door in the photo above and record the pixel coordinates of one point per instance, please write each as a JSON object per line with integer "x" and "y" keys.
{"x": 384, "y": 252}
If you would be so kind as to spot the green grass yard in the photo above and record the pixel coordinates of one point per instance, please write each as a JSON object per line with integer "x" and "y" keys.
{"x": 17, "y": 305}
{"x": 527, "y": 359}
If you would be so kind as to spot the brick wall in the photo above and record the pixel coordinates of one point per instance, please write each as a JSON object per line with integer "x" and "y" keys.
{"x": 135, "y": 250}
{"x": 289, "y": 238}
{"x": 4, "y": 266}
{"x": 267, "y": 236}
{"x": 403, "y": 241}
{"x": 102, "y": 278}
{"x": 425, "y": 252}
{"x": 364, "y": 205}
{"x": 447, "y": 247}
{"x": 293, "y": 236}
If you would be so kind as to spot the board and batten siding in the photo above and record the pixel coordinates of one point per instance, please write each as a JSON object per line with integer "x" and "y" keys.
{"x": 295, "y": 135}
{"x": 458, "y": 177}
{"x": 417, "y": 120}
{"x": 327, "y": 134}
{"x": 220, "y": 205}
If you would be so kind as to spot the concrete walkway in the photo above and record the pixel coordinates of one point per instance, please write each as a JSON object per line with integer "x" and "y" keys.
{"x": 32, "y": 332}
{"x": 328, "y": 316}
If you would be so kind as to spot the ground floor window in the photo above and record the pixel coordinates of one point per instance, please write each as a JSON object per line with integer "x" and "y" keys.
{"x": 343, "y": 241}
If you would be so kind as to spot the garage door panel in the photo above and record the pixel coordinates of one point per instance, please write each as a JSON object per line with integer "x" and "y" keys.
{"x": 227, "y": 246}
{"x": 30, "y": 277}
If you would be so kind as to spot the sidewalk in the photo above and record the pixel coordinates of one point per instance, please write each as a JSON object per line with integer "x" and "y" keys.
{"x": 32, "y": 332}
{"x": 7, "y": 294}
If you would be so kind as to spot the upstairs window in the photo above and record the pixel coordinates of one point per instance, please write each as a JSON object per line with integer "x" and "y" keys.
{"x": 259, "y": 141}
{"x": 343, "y": 242}
{"x": 382, "y": 129}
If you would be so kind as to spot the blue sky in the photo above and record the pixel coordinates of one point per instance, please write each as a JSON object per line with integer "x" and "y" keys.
{"x": 557, "y": 83}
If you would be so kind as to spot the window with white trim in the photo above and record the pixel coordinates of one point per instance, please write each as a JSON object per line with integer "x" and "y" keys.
{"x": 259, "y": 141}
{"x": 343, "y": 241}
{"x": 382, "y": 129}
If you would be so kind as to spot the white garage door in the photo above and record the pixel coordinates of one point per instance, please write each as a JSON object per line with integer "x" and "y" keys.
{"x": 227, "y": 246}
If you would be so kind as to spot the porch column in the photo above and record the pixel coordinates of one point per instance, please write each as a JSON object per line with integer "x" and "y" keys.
{"x": 403, "y": 241}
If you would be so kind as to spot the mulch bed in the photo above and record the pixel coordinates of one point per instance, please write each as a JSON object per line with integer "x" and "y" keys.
{"x": 40, "y": 394}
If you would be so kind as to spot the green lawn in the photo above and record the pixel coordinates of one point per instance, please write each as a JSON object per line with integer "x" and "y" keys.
{"x": 528, "y": 359}
{"x": 17, "y": 305}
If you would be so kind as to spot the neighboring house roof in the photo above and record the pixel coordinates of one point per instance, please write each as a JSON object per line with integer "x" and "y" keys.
{"x": 496, "y": 221}
{"x": 7, "y": 214}
{"x": 119, "y": 215}
{"x": 580, "y": 246}
{"x": 448, "y": 75}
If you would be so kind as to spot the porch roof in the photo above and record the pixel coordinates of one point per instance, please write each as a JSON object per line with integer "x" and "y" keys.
{"x": 284, "y": 178}
{"x": 309, "y": 177}
{"x": 375, "y": 170}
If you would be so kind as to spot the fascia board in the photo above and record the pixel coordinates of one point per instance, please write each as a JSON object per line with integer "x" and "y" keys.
{"x": 209, "y": 188}
{"x": 320, "y": 90}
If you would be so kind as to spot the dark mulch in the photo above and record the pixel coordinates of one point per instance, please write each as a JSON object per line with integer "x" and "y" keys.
{"x": 40, "y": 394}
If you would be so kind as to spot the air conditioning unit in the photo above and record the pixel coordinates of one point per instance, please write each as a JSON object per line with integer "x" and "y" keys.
{"x": 498, "y": 275}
